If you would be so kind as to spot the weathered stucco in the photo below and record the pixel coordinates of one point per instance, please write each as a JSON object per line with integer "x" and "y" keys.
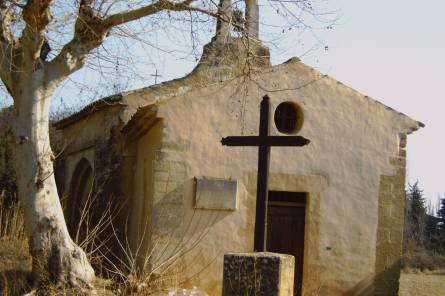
{"x": 353, "y": 140}
{"x": 80, "y": 140}
{"x": 350, "y": 160}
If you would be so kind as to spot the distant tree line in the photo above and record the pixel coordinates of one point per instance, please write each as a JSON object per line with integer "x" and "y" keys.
{"x": 424, "y": 231}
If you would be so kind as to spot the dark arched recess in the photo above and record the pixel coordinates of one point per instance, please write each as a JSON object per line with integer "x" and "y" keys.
{"x": 80, "y": 195}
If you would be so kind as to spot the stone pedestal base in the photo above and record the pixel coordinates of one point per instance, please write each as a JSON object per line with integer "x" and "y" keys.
{"x": 259, "y": 274}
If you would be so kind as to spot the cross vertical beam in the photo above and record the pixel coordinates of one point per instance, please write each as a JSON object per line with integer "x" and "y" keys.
{"x": 263, "y": 174}
{"x": 263, "y": 141}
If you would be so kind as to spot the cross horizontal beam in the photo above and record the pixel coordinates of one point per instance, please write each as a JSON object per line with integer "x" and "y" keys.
{"x": 296, "y": 141}
{"x": 263, "y": 141}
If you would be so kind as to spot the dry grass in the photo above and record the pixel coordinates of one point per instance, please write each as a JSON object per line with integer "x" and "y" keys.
{"x": 12, "y": 224}
{"x": 128, "y": 275}
{"x": 15, "y": 266}
{"x": 421, "y": 284}
{"x": 15, "y": 260}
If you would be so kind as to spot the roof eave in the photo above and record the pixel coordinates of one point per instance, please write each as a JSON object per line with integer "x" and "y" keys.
{"x": 111, "y": 101}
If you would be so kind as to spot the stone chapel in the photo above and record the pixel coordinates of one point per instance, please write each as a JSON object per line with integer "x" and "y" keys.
{"x": 336, "y": 204}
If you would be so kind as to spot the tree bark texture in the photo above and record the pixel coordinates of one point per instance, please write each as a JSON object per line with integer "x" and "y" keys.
{"x": 56, "y": 257}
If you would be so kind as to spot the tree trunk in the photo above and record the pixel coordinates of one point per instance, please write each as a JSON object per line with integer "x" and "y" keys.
{"x": 252, "y": 18}
{"x": 55, "y": 256}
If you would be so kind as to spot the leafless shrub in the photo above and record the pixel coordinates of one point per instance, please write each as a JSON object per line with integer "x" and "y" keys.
{"x": 158, "y": 269}
{"x": 138, "y": 270}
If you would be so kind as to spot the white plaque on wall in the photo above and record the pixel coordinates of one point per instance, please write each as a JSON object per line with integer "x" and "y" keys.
{"x": 215, "y": 194}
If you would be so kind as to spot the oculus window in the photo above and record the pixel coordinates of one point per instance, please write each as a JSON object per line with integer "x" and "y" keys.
{"x": 288, "y": 118}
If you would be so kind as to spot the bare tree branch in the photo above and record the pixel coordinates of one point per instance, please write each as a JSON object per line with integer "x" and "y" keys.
{"x": 91, "y": 30}
{"x": 37, "y": 16}
{"x": 6, "y": 44}
{"x": 6, "y": 18}
{"x": 131, "y": 15}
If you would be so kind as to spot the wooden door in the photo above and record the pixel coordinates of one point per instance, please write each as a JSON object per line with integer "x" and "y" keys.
{"x": 285, "y": 229}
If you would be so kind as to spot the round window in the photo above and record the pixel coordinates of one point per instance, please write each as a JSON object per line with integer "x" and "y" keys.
{"x": 288, "y": 118}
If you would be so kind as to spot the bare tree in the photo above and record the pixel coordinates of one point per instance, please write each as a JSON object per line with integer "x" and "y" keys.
{"x": 43, "y": 42}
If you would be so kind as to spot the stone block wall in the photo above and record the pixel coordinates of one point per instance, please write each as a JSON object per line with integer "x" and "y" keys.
{"x": 262, "y": 274}
{"x": 391, "y": 207}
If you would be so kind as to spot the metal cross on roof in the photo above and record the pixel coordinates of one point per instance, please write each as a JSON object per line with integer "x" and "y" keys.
{"x": 156, "y": 76}
{"x": 263, "y": 141}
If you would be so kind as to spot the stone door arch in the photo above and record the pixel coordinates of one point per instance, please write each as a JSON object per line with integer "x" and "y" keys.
{"x": 80, "y": 195}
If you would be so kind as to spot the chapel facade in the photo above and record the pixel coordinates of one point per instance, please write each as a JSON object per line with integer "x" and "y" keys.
{"x": 184, "y": 199}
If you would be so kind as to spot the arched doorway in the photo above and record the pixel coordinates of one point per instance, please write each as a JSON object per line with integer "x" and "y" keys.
{"x": 80, "y": 198}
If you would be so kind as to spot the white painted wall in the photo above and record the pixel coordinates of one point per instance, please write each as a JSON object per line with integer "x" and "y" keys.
{"x": 352, "y": 139}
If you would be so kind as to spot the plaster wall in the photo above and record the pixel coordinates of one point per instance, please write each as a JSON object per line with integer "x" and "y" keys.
{"x": 142, "y": 199}
{"x": 86, "y": 132}
{"x": 352, "y": 138}
{"x": 79, "y": 141}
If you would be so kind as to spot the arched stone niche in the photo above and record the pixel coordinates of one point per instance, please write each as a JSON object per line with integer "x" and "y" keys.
{"x": 79, "y": 195}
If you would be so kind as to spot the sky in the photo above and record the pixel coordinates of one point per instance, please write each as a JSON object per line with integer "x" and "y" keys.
{"x": 394, "y": 51}
{"x": 390, "y": 50}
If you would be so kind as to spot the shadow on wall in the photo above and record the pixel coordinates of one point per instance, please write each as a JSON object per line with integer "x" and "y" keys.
{"x": 386, "y": 283}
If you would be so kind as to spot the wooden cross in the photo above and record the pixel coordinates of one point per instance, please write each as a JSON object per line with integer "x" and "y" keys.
{"x": 263, "y": 141}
